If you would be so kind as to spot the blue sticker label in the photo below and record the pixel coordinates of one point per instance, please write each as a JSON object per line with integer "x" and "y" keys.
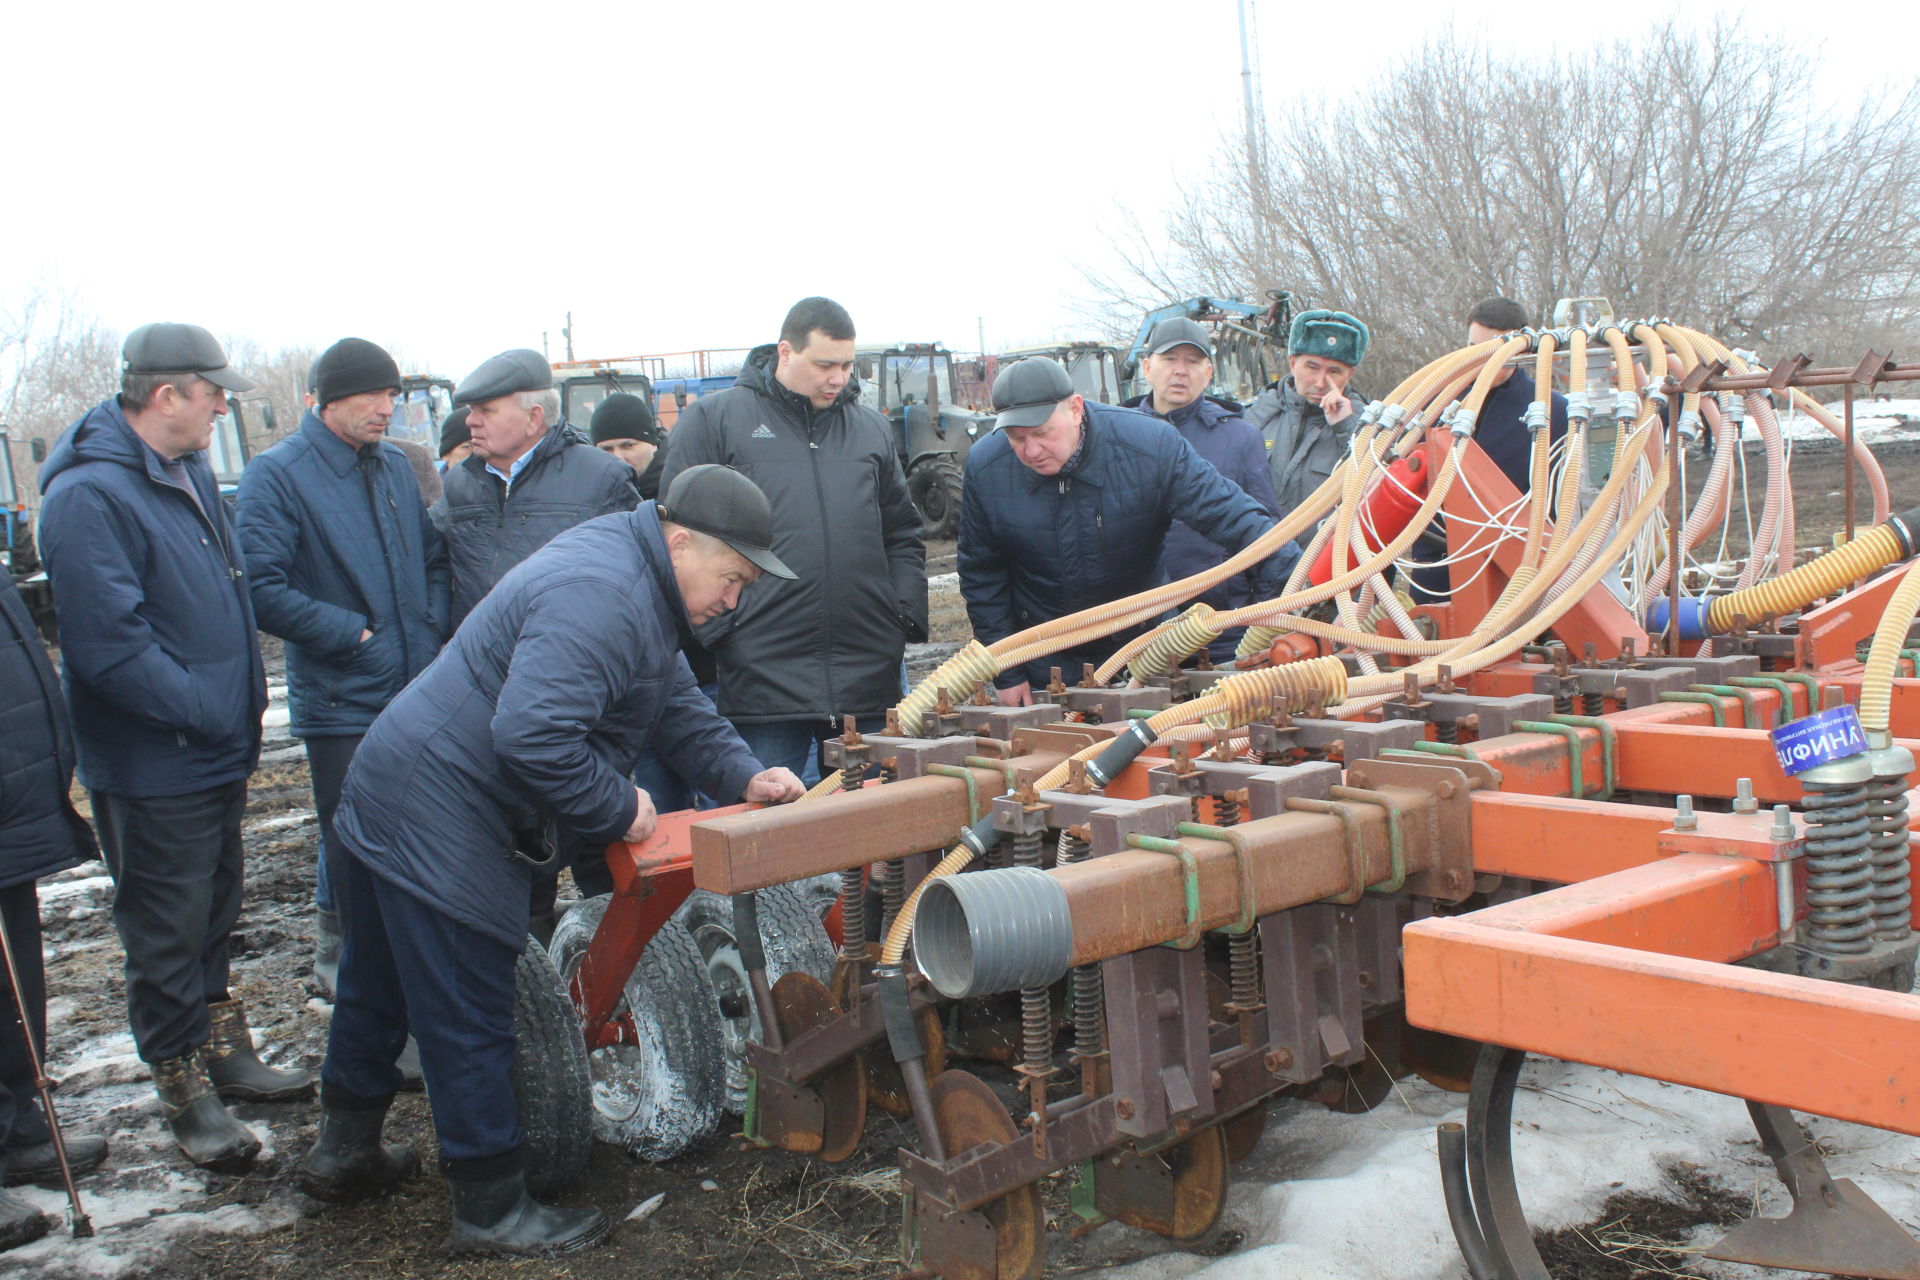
{"x": 1818, "y": 739}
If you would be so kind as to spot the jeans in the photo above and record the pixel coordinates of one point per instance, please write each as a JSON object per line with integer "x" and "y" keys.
{"x": 327, "y": 761}
{"x": 799, "y": 744}
{"x": 178, "y": 868}
{"x": 405, "y": 967}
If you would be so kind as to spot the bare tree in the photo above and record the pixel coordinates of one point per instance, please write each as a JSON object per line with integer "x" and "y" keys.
{"x": 1689, "y": 174}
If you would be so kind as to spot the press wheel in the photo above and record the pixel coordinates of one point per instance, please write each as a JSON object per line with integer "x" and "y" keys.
{"x": 801, "y": 1003}
{"x": 1176, "y": 1192}
{"x": 968, "y": 1115}
{"x": 1243, "y": 1132}
{"x": 1369, "y": 1082}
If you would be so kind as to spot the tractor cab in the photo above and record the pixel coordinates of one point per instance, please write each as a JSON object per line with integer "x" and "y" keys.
{"x": 1093, "y": 366}
{"x": 912, "y": 384}
{"x": 584, "y": 384}
{"x": 423, "y": 403}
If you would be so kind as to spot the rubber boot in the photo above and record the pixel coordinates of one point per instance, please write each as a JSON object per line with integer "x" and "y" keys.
{"x": 496, "y": 1215}
{"x": 41, "y": 1163}
{"x": 326, "y": 951}
{"x": 236, "y": 1070}
{"x": 347, "y": 1161}
{"x": 209, "y": 1136}
{"x": 20, "y": 1222}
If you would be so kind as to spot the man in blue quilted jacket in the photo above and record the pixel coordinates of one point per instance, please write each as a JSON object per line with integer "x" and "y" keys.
{"x": 1067, "y": 506}
{"x": 342, "y": 564}
{"x": 525, "y": 729}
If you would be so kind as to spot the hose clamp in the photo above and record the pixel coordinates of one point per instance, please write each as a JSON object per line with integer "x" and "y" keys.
{"x": 1626, "y": 406}
{"x": 1689, "y": 426}
{"x": 1391, "y": 415}
{"x": 1657, "y": 402}
{"x": 1734, "y": 406}
{"x": 1371, "y": 414}
{"x": 1537, "y": 418}
{"x": 1578, "y": 406}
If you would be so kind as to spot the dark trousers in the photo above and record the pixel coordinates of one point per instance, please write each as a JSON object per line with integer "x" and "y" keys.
{"x": 327, "y": 761}
{"x": 178, "y": 868}
{"x": 406, "y": 967}
{"x": 22, "y": 1122}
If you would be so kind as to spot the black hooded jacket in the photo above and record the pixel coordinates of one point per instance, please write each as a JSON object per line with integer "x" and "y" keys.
{"x": 827, "y": 644}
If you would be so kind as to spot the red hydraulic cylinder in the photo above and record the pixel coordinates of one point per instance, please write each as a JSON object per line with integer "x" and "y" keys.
{"x": 1387, "y": 508}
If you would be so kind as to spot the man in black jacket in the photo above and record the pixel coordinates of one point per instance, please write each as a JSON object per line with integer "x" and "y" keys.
{"x": 625, "y": 427}
{"x": 531, "y": 475}
{"x": 39, "y": 834}
{"x": 799, "y": 655}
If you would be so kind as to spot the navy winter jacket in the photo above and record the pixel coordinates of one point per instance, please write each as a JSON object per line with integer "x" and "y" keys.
{"x": 535, "y": 712}
{"x": 338, "y": 542}
{"x": 1501, "y": 429}
{"x": 156, "y": 629}
{"x": 1035, "y": 547}
{"x": 39, "y": 831}
{"x": 1219, "y": 434}
{"x": 490, "y": 527}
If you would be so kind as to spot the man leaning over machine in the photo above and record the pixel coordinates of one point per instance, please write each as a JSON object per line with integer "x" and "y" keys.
{"x": 530, "y": 718}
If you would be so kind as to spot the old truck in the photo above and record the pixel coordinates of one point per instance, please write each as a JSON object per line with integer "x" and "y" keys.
{"x": 912, "y": 384}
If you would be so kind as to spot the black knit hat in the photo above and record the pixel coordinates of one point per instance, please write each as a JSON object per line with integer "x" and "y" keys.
{"x": 349, "y": 367}
{"x": 453, "y": 431}
{"x": 622, "y": 416}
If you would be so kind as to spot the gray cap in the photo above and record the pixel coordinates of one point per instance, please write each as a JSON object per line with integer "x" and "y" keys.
{"x": 1026, "y": 392}
{"x": 181, "y": 348}
{"x": 715, "y": 499}
{"x": 1179, "y": 331}
{"x": 521, "y": 369}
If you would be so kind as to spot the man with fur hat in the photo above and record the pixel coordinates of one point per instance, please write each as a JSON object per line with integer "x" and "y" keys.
{"x": 1308, "y": 417}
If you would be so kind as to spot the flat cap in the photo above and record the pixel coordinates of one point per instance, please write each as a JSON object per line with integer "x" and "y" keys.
{"x": 1178, "y": 331}
{"x": 181, "y": 348}
{"x": 1026, "y": 392}
{"x": 521, "y": 369}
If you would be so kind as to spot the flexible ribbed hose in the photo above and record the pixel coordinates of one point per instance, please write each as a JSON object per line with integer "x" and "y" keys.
{"x": 825, "y": 787}
{"x": 1159, "y": 651}
{"x": 1877, "y": 548}
{"x": 959, "y": 675}
{"x": 1883, "y": 659}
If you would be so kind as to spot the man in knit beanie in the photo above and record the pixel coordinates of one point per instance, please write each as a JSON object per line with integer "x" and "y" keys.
{"x": 624, "y": 426}
{"x": 346, "y": 568}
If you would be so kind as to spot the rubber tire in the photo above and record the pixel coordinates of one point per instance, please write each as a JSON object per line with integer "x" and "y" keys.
{"x": 796, "y": 942}
{"x": 551, "y": 1085}
{"x": 935, "y": 486}
{"x": 660, "y": 1096}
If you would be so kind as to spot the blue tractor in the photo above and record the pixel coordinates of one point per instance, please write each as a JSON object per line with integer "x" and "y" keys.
{"x": 912, "y": 384}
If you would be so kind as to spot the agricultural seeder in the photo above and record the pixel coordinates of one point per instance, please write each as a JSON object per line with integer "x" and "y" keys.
{"x": 1606, "y": 801}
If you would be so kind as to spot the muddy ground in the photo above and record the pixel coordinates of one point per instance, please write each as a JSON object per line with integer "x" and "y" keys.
{"x": 727, "y": 1212}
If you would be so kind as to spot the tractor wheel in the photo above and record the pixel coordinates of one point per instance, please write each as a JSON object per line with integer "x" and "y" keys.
{"x": 934, "y": 485}
{"x": 656, "y": 1088}
{"x": 549, "y": 1074}
{"x": 796, "y": 942}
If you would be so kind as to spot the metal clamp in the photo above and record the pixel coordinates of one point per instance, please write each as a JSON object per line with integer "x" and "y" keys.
{"x": 1356, "y": 856}
{"x": 1577, "y": 787}
{"x": 1748, "y": 704}
{"x": 1396, "y": 846}
{"x": 973, "y": 787}
{"x": 1242, "y": 865}
{"x": 1609, "y": 747}
{"x": 1704, "y": 699}
{"x": 1778, "y": 685}
{"x": 1190, "y": 872}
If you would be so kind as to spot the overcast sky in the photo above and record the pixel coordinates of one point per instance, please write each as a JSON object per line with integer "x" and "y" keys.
{"x": 451, "y": 180}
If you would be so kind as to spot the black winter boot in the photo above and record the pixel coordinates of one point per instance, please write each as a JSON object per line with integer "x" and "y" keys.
{"x": 236, "y": 1070}
{"x": 41, "y": 1163}
{"x": 326, "y": 951}
{"x": 209, "y": 1136}
{"x": 20, "y": 1222}
{"x": 496, "y": 1215}
{"x": 347, "y": 1161}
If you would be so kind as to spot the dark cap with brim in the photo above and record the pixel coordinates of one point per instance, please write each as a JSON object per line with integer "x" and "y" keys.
{"x": 181, "y": 348}
{"x": 714, "y": 499}
{"x": 522, "y": 369}
{"x": 1178, "y": 331}
{"x": 1026, "y": 393}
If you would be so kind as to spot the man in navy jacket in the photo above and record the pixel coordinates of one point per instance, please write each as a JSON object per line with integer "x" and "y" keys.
{"x": 1067, "y": 506}
{"x": 166, "y": 688}
{"x": 1179, "y": 367}
{"x": 529, "y": 720}
{"x": 346, "y": 568}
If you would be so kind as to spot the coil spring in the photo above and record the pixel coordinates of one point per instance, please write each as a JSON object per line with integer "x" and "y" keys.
{"x": 891, "y": 878}
{"x": 1243, "y": 949}
{"x": 1887, "y": 838}
{"x": 1089, "y": 988}
{"x": 1446, "y": 730}
{"x": 1593, "y": 704}
{"x": 853, "y": 888}
{"x": 1036, "y": 1007}
{"x": 1563, "y": 705}
{"x": 1840, "y": 872}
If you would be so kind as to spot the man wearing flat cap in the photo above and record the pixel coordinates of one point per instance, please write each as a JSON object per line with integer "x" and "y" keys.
{"x": 1308, "y": 417}
{"x": 1067, "y": 506}
{"x": 531, "y": 475}
{"x": 1178, "y": 367}
{"x": 528, "y": 721}
{"x": 346, "y": 568}
{"x": 165, "y": 686}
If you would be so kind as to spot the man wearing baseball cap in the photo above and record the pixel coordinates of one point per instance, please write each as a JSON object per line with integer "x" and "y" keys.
{"x": 1067, "y": 505}
{"x": 1309, "y": 416}
{"x": 531, "y": 475}
{"x": 165, "y": 685}
{"x": 519, "y": 736}
{"x": 346, "y": 568}
{"x": 1178, "y": 367}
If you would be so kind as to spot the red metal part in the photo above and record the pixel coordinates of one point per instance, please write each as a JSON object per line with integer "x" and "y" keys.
{"x": 1386, "y": 508}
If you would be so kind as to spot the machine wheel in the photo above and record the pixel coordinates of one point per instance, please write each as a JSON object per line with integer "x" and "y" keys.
{"x": 1177, "y": 1192}
{"x": 657, "y": 1090}
{"x": 795, "y": 942}
{"x": 549, "y": 1074}
{"x": 968, "y": 1115}
{"x": 934, "y": 486}
{"x": 801, "y": 1003}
